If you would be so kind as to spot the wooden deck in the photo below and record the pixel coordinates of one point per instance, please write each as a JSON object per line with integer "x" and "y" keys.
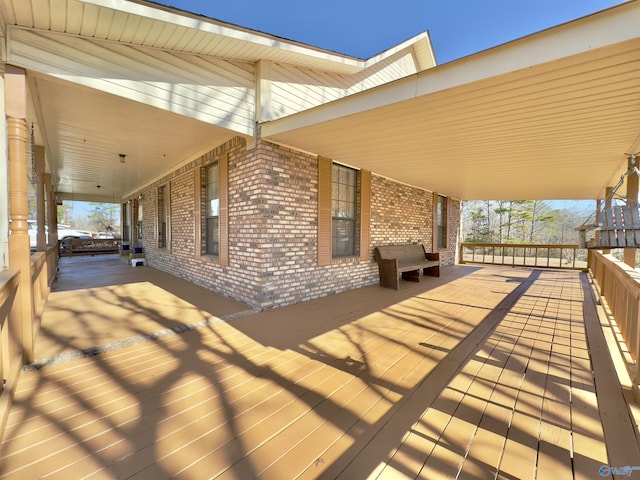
{"x": 484, "y": 372}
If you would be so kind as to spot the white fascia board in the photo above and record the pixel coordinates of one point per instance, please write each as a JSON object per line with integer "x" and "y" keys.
{"x": 609, "y": 27}
{"x": 215, "y": 27}
{"x": 615, "y": 25}
{"x": 388, "y": 94}
{"x": 421, "y": 40}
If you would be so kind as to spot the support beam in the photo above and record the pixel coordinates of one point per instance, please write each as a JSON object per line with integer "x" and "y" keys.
{"x": 19, "y": 250}
{"x": 264, "y": 104}
{"x": 40, "y": 199}
{"x": 607, "y": 205}
{"x": 632, "y": 199}
{"x": 52, "y": 210}
{"x": 598, "y": 233}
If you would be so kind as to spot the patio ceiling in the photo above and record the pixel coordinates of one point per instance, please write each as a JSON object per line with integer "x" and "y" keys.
{"x": 84, "y": 144}
{"x": 550, "y": 116}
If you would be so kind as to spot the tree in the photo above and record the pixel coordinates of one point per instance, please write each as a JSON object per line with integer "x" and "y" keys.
{"x": 477, "y": 225}
{"x": 501, "y": 210}
{"x": 104, "y": 216}
{"x": 518, "y": 221}
{"x": 64, "y": 214}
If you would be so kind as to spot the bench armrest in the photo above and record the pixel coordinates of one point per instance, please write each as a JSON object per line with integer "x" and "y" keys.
{"x": 388, "y": 269}
{"x": 433, "y": 256}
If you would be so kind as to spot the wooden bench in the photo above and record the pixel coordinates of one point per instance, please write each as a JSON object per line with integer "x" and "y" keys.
{"x": 406, "y": 260}
{"x": 81, "y": 246}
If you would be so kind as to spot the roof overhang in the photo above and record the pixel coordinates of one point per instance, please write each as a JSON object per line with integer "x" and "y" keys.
{"x": 146, "y": 71}
{"x": 549, "y": 116}
{"x": 243, "y": 44}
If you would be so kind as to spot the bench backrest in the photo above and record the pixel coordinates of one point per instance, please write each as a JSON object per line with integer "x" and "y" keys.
{"x": 401, "y": 252}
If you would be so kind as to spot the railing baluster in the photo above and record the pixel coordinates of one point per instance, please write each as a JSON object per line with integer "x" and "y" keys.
{"x": 527, "y": 250}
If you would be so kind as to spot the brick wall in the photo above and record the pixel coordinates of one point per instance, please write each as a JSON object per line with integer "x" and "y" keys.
{"x": 241, "y": 280}
{"x": 402, "y": 213}
{"x": 448, "y": 256}
{"x": 273, "y": 227}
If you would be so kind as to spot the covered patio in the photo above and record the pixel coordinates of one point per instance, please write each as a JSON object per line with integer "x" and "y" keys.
{"x": 485, "y": 372}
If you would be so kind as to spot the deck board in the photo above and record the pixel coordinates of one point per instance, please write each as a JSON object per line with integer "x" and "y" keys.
{"x": 481, "y": 373}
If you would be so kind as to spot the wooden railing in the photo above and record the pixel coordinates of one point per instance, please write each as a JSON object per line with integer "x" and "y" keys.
{"x": 619, "y": 288}
{"x": 11, "y": 359}
{"x": 524, "y": 255}
{"x": 17, "y": 333}
{"x": 44, "y": 266}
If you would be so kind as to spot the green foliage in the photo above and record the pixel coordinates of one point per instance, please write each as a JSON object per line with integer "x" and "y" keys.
{"x": 103, "y": 216}
{"x": 64, "y": 214}
{"x": 518, "y": 221}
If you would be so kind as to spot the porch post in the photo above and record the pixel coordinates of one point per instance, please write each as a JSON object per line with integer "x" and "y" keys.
{"x": 598, "y": 234}
{"x": 19, "y": 250}
{"x": 52, "y": 210}
{"x": 632, "y": 199}
{"x": 607, "y": 205}
{"x": 40, "y": 199}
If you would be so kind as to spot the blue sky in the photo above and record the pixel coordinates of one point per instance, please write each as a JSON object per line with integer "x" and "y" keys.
{"x": 364, "y": 28}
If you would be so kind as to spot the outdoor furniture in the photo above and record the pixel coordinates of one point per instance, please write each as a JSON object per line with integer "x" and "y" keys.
{"x": 81, "y": 246}
{"x": 406, "y": 260}
{"x": 617, "y": 226}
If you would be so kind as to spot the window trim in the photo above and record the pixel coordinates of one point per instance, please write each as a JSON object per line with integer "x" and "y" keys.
{"x": 166, "y": 214}
{"x": 137, "y": 222}
{"x": 437, "y": 246}
{"x": 363, "y": 218}
{"x": 223, "y": 215}
{"x": 125, "y": 221}
{"x": 352, "y": 220}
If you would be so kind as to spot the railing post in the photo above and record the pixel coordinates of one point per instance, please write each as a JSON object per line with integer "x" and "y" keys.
{"x": 632, "y": 199}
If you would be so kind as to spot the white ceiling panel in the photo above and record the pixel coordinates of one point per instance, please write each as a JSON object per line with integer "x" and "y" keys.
{"x": 85, "y": 142}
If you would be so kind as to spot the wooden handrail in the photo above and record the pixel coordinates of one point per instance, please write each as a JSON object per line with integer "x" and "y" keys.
{"x": 16, "y": 338}
{"x": 11, "y": 355}
{"x": 566, "y": 256}
{"x": 618, "y": 286}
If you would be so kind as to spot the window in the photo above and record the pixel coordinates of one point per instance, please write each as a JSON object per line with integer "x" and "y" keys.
{"x": 163, "y": 216}
{"x": 212, "y": 223}
{"x": 343, "y": 211}
{"x": 212, "y": 210}
{"x": 139, "y": 222}
{"x": 441, "y": 222}
{"x": 126, "y": 223}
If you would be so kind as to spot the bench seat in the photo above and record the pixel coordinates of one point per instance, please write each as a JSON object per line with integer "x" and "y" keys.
{"x": 407, "y": 261}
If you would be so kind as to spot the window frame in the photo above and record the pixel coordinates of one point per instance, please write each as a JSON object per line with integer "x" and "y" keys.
{"x": 126, "y": 221}
{"x": 163, "y": 216}
{"x": 222, "y": 258}
{"x": 138, "y": 210}
{"x": 211, "y": 249}
{"x": 440, "y": 221}
{"x": 344, "y": 209}
{"x": 362, "y": 235}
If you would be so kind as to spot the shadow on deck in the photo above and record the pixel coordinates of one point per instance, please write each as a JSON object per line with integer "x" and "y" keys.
{"x": 481, "y": 373}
